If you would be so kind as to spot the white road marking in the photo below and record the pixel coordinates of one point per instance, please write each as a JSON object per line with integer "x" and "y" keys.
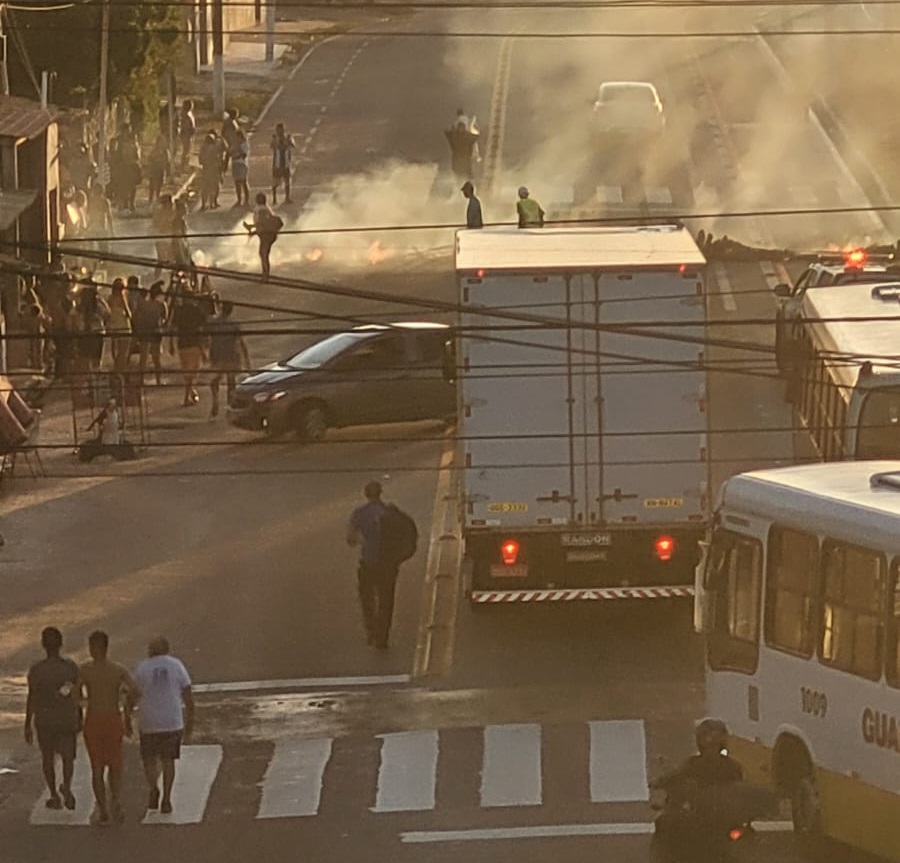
{"x": 658, "y": 195}
{"x": 546, "y": 831}
{"x": 618, "y": 767}
{"x": 195, "y": 773}
{"x": 511, "y": 768}
{"x": 610, "y": 195}
{"x": 84, "y": 798}
{"x": 302, "y": 683}
{"x": 292, "y": 786}
{"x": 724, "y": 285}
{"x": 407, "y": 775}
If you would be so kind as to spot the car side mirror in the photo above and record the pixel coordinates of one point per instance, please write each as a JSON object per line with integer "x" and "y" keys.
{"x": 783, "y": 291}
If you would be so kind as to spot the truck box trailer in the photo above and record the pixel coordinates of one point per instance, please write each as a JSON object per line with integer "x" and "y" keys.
{"x": 583, "y": 421}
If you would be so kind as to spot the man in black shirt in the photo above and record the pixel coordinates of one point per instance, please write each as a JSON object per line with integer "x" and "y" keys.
{"x": 188, "y": 324}
{"x": 52, "y": 708}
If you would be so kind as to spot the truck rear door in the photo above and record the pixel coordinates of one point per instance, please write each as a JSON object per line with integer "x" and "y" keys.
{"x": 652, "y": 447}
{"x": 515, "y": 402}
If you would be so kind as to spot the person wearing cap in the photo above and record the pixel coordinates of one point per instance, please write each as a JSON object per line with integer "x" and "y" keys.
{"x": 376, "y": 581}
{"x": 531, "y": 215}
{"x": 473, "y": 210}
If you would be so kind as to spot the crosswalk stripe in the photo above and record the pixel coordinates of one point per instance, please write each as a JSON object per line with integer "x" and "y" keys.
{"x": 618, "y": 769}
{"x": 511, "y": 769}
{"x": 84, "y": 799}
{"x": 195, "y": 773}
{"x": 658, "y": 195}
{"x": 610, "y": 195}
{"x": 407, "y": 774}
{"x": 292, "y": 785}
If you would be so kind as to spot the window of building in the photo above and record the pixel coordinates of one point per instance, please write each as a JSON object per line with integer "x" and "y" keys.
{"x": 791, "y": 588}
{"x": 854, "y": 594}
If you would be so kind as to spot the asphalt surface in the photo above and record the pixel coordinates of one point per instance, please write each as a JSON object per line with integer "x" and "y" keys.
{"x": 233, "y": 547}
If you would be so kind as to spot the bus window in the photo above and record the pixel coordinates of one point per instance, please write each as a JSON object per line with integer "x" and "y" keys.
{"x": 791, "y": 591}
{"x": 853, "y": 599}
{"x": 893, "y": 646}
{"x": 734, "y": 640}
{"x": 879, "y": 425}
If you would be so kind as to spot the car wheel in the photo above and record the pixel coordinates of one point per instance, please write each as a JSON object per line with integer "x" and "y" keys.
{"x": 311, "y": 422}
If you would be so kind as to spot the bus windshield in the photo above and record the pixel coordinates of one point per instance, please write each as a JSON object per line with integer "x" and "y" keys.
{"x": 879, "y": 425}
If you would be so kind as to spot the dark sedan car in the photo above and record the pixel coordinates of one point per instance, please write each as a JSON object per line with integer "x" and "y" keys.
{"x": 372, "y": 374}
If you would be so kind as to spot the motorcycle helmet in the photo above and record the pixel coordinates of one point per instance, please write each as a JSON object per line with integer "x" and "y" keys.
{"x": 711, "y": 736}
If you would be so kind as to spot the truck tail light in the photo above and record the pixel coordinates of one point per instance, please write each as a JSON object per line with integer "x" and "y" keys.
{"x": 664, "y": 547}
{"x": 509, "y": 552}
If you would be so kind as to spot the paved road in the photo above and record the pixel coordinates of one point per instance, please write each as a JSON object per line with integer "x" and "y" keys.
{"x": 239, "y": 558}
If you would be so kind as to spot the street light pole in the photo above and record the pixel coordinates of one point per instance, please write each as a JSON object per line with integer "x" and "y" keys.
{"x": 102, "y": 166}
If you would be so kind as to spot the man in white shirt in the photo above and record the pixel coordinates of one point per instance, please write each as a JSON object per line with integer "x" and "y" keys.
{"x": 165, "y": 717}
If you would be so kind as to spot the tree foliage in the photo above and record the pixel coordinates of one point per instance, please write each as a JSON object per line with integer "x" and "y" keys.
{"x": 145, "y": 38}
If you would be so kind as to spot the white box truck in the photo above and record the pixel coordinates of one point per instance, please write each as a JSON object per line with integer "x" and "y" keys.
{"x": 583, "y": 421}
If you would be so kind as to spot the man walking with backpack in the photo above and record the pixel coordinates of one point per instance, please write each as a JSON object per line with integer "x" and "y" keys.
{"x": 387, "y": 537}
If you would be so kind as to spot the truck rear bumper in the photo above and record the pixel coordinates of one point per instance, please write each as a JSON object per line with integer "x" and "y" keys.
{"x": 581, "y": 594}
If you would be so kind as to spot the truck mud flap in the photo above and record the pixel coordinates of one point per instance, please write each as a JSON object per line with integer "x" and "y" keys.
{"x": 579, "y": 594}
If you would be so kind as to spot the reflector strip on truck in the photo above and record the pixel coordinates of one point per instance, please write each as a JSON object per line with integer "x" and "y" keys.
{"x": 576, "y": 594}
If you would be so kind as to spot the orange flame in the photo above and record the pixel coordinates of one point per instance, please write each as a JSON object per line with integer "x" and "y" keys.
{"x": 377, "y": 254}
{"x": 314, "y": 255}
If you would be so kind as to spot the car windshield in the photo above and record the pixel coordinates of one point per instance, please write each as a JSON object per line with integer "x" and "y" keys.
{"x": 323, "y": 352}
{"x": 627, "y": 94}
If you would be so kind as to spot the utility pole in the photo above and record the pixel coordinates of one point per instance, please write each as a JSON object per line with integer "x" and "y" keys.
{"x": 270, "y": 31}
{"x": 102, "y": 166}
{"x": 4, "y": 72}
{"x": 218, "y": 59}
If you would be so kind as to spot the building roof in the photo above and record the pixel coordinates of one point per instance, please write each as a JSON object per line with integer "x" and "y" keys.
{"x": 22, "y": 118}
{"x": 588, "y": 248}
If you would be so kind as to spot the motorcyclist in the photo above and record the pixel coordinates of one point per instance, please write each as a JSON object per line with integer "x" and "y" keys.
{"x": 694, "y": 798}
{"x": 711, "y": 765}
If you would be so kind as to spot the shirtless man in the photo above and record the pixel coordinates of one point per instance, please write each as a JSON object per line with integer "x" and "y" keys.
{"x": 107, "y": 685}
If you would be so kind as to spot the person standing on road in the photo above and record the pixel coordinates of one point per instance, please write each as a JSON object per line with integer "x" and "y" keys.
{"x": 52, "y": 709}
{"x": 386, "y": 537}
{"x": 473, "y": 210}
{"x": 530, "y": 213}
{"x": 188, "y": 322}
{"x": 228, "y": 353}
{"x": 150, "y": 314}
{"x": 165, "y": 717}
{"x": 282, "y": 154}
{"x": 106, "y": 685}
{"x": 265, "y": 226}
{"x": 240, "y": 155}
{"x": 187, "y": 126}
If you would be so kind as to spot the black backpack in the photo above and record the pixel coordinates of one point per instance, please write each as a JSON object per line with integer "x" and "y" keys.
{"x": 398, "y": 536}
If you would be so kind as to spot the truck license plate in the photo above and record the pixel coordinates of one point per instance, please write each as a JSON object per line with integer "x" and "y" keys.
{"x": 584, "y": 540}
{"x": 517, "y": 570}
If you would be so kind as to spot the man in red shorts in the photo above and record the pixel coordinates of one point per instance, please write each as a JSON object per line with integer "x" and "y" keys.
{"x": 108, "y": 687}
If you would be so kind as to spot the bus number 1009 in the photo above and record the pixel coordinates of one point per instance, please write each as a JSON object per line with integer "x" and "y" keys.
{"x": 813, "y": 702}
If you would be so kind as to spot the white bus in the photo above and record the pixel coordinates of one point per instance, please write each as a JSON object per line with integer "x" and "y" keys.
{"x": 839, "y": 346}
{"x": 799, "y": 600}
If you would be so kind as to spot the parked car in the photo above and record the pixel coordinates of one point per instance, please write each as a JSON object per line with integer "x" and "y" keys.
{"x": 376, "y": 373}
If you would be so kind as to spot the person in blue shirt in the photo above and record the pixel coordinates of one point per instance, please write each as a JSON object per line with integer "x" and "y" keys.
{"x": 473, "y": 210}
{"x": 376, "y": 578}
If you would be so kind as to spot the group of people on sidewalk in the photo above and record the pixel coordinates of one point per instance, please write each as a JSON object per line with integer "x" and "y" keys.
{"x": 97, "y": 699}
